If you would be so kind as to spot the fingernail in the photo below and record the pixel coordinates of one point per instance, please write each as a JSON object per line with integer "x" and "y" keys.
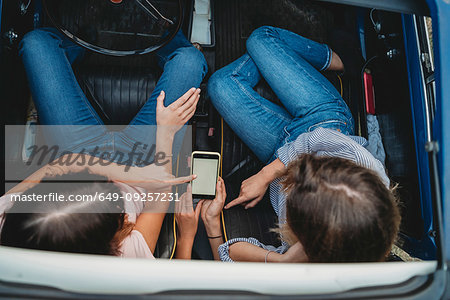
{"x": 199, "y": 89}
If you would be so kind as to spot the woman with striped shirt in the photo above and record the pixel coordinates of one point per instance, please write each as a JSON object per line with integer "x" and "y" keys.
{"x": 331, "y": 195}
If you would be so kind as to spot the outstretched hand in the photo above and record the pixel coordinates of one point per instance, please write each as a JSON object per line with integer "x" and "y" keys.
{"x": 252, "y": 191}
{"x": 152, "y": 177}
{"x": 254, "y": 188}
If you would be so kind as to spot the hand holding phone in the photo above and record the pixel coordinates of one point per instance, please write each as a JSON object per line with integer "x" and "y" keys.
{"x": 211, "y": 210}
{"x": 206, "y": 166}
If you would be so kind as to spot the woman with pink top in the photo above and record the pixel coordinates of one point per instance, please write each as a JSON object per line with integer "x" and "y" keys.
{"x": 121, "y": 228}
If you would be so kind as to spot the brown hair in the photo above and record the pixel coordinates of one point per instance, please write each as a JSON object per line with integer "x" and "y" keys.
{"x": 93, "y": 227}
{"x": 339, "y": 211}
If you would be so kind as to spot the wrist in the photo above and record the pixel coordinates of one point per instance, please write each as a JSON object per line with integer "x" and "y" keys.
{"x": 185, "y": 240}
{"x": 213, "y": 227}
{"x": 166, "y": 131}
{"x": 267, "y": 174}
{"x": 273, "y": 170}
{"x": 184, "y": 248}
{"x": 164, "y": 141}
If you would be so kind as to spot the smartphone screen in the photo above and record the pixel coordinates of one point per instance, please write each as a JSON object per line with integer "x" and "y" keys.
{"x": 205, "y": 166}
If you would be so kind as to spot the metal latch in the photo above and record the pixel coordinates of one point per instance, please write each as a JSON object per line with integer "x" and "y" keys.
{"x": 432, "y": 146}
{"x": 11, "y": 36}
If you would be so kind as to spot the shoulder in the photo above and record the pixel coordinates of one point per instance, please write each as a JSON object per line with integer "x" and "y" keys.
{"x": 134, "y": 245}
{"x": 349, "y": 147}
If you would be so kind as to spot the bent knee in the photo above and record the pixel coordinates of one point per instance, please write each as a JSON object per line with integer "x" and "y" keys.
{"x": 36, "y": 39}
{"x": 190, "y": 57}
{"x": 263, "y": 30}
{"x": 259, "y": 35}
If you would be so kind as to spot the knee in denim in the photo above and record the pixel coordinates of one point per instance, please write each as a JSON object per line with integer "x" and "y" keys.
{"x": 191, "y": 58}
{"x": 258, "y": 35}
{"x": 36, "y": 39}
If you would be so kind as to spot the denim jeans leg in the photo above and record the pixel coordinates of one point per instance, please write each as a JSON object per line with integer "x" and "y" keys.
{"x": 184, "y": 67}
{"x": 47, "y": 57}
{"x": 257, "y": 121}
{"x": 291, "y": 64}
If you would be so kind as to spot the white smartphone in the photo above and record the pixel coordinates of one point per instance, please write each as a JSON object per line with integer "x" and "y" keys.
{"x": 206, "y": 166}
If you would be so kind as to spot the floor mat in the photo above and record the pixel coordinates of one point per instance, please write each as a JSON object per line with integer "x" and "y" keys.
{"x": 237, "y": 158}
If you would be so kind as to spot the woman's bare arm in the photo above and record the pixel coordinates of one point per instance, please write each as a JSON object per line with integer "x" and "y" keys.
{"x": 243, "y": 251}
{"x": 169, "y": 119}
{"x": 149, "y": 223}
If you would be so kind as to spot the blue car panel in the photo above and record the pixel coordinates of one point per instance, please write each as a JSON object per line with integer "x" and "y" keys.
{"x": 440, "y": 10}
{"x": 425, "y": 248}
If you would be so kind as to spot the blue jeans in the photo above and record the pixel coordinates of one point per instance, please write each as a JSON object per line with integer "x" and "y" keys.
{"x": 48, "y": 57}
{"x": 291, "y": 65}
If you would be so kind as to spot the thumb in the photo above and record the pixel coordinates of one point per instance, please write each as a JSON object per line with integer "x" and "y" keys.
{"x": 160, "y": 100}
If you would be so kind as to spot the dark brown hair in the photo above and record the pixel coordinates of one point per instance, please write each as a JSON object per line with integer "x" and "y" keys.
{"x": 90, "y": 227}
{"x": 340, "y": 211}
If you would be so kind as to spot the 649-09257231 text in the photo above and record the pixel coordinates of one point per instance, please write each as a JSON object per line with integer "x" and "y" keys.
{"x": 98, "y": 196}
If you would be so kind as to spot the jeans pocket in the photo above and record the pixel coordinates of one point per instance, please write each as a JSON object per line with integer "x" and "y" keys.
{"x": 338, "y": 125}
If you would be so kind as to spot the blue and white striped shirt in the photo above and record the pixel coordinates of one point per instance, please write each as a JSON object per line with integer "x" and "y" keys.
{"x": 322, "y": 142}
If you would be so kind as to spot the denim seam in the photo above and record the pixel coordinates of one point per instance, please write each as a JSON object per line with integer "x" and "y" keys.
{"x": 296, "y": 63}
{"x": 127, "y": 140}
{"x": 88, "y": 105}
{"x": 251, "y": 97}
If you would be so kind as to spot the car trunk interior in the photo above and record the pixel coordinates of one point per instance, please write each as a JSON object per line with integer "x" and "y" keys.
{"x": 350, "y": 31}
